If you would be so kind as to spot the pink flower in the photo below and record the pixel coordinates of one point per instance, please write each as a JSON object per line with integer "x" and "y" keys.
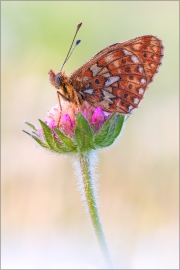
{"x": 97, "y": 118}
{"x": 66, "y": 119}
{"x": 77, "y": 129}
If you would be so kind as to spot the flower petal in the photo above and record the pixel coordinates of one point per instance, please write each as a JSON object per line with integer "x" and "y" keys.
{"x": 97, "y": 118}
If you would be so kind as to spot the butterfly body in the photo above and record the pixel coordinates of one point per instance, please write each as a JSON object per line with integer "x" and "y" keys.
{"x": 116, "y": 78}
{"x": 61, "y": 82}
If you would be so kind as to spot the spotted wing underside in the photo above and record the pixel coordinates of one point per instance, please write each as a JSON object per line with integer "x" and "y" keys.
{"x": 116, "y": 78}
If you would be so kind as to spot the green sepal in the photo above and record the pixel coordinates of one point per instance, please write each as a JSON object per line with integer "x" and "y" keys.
{"x": 30, "y": 125}
{"x": 70, "y": 144}
{"x": 102, "y": 134}
{"x": 118, "y": 127}
{"x": 109, "y": 131}
{"x": 36, "y": 134}
{"x": 37, "y": 140}
{"x": 54, "y": 145}
{"x": 83, "y": 134}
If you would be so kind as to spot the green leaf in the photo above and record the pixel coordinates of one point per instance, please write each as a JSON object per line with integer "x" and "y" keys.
{"x": 114, "y": 131}
{"x": 30, "y": 125}
{"x": 109, "y": 131}
{"x": 67, "y": 141}
{"x": 103, "y": 132}
{"x": 53, "y": 144}
{"x": 83, "y": 134}
{"x": 37, "y": 139}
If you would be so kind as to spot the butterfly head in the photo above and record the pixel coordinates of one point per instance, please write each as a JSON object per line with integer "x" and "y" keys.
{"x": 57, "y": 80}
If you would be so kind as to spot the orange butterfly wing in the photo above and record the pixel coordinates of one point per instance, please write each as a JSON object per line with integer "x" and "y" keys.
{"x": 116, "y": 78}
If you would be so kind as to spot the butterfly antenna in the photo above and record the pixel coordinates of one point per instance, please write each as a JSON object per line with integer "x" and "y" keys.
{"x": 77, "y": 42}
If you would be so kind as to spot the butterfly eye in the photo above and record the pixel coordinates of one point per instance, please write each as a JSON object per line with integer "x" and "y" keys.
{"x": 57, "y": 79}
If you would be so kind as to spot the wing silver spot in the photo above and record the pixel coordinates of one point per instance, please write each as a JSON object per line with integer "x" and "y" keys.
{"x": 127, "y": 52}
{"x": 140, "y": 91}
{"x": 136, "y": 100}
{"x": 89, "y": 91}
{"x": 135, "y": 59}
{"x": 143, "y": 81}
{"x": 130, "y": 107}
{"x": 140, "y": 69}
{"x": 111, "y": 80}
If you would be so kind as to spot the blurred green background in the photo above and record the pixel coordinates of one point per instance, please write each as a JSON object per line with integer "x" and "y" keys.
{"x": 44, "y": 224}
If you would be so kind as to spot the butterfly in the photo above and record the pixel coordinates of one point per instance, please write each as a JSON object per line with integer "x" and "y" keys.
{"x": 116, "y": 78}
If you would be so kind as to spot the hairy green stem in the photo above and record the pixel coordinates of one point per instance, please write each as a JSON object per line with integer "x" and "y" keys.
{"x": 92, "y": 206}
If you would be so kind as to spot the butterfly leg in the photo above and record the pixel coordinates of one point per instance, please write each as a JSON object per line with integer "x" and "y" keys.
{"x": 59, "y": 95}
{"x": 60, "y": 107}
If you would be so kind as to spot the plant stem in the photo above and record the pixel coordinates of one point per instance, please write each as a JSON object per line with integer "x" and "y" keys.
{"x": 92, "y": 206}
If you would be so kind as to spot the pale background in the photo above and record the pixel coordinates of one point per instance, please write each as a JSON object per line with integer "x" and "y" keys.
{"x": 44, "y": 225}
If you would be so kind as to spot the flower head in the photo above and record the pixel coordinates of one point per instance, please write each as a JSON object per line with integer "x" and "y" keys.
{"x": 77, "y": 129}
